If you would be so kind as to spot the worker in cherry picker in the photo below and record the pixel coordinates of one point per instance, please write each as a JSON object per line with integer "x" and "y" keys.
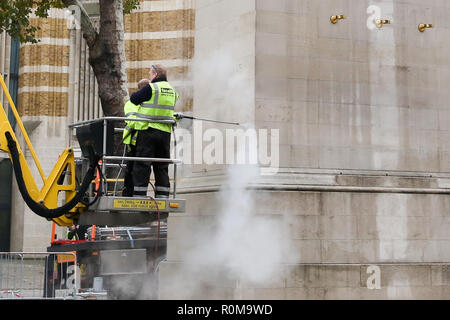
{"x": 156, "y": 100}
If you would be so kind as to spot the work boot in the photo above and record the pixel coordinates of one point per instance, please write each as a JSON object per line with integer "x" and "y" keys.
{"x": 162, "y": 192}
{"x": 126, "y": 192}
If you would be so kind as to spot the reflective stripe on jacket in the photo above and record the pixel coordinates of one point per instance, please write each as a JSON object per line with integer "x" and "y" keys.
{"x": 160, "y": 107}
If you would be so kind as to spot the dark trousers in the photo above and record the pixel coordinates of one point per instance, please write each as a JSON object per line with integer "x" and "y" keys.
{"x": 152, "y": 143}
{"x": 128, "y": 185}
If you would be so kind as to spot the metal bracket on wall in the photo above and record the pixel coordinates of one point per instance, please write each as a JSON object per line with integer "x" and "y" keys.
{"x": 380, "y": 23}
{"x": 336, "y": 18}
{"x": 424, "y": 26}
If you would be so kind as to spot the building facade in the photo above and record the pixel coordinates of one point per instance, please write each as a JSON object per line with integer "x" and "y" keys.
{"x": 359, "y": 206}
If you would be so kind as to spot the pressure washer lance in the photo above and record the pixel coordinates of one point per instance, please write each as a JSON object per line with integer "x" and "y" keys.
{"x": 180, "y": 116}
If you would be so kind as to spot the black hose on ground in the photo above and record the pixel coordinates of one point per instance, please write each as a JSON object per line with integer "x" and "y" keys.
{"x": 39, "y": 208}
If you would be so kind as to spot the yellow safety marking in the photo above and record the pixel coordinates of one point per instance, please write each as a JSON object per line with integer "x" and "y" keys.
{"x": 62, "y": 258}
{"x": 174, "y": 205}
{"x": 138, "y": 204}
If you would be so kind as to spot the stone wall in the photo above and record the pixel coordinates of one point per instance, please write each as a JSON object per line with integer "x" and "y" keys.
{"x": 363, "y": 178}
{"x": 346, "y": 96}
{"x": 162, "y": 32}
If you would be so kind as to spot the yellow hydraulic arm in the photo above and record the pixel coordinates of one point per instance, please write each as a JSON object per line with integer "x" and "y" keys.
{"x": 44, "y": 202}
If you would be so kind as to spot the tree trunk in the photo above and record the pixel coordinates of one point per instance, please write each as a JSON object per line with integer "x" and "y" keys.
{"x": 107, "y": 54}
{"x": 107, "y": 58}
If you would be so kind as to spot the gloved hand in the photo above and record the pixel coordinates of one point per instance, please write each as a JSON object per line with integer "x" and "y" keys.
{"x": 178, "y": 116}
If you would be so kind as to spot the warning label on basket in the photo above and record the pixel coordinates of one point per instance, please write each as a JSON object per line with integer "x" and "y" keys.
{"x": 68, "y": 257}
{"x": 139, "y": 204}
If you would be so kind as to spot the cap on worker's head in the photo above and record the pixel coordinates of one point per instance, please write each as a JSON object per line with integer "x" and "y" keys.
{"x": 160, "y": 70}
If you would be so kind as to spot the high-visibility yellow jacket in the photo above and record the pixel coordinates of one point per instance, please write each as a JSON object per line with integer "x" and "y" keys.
{"x": 160, "y": 107}
{"x": 129, "y": 133}
{"x": 74, "y": 237}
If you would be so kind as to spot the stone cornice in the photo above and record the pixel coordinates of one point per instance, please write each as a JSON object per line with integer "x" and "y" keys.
{"x": 293, "y": 179}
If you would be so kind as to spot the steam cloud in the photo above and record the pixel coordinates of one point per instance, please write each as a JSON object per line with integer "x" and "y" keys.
{"x": 247, "y": 246}
{"x": 235, "y": 247}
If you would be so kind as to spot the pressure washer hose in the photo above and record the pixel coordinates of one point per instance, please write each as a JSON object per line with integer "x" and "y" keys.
{"x": 39, "y": 208}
